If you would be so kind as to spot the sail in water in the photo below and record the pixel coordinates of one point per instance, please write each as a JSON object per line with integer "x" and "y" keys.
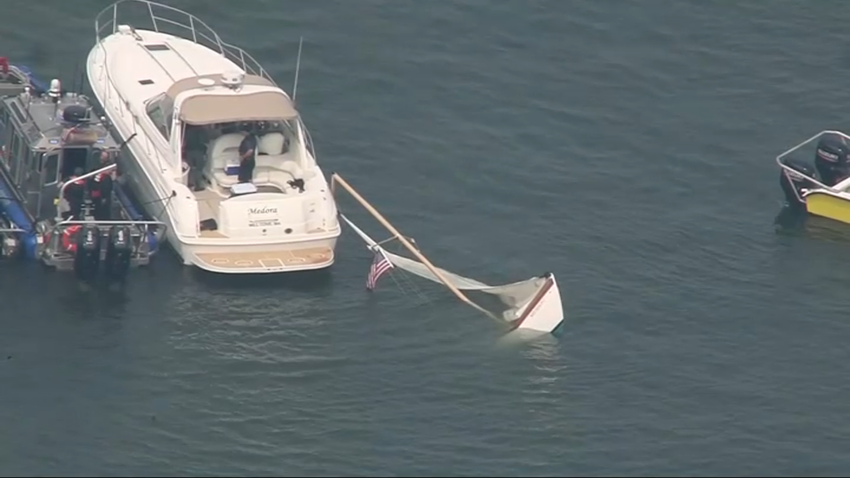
{"x": 533, "y": 304}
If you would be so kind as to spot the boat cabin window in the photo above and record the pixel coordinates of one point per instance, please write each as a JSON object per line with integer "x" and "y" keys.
{"x": 7, "y": 132}
{"x": 161, "y": 112}
{"x": 50, "y": 167}
{"x": 4, "y": 123}
{"x": 289, "y": 129}
{"x": 16, "y": 153}
{"x": 73, "y": 158}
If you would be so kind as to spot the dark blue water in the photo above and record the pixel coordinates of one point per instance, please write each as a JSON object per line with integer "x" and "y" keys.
{"x": 626, "y": 146}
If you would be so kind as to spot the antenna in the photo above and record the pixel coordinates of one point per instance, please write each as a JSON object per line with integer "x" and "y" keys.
{"x": 297, "y": 69}
{"x": 82, "y": 82}
{"x": 74, "y": 79}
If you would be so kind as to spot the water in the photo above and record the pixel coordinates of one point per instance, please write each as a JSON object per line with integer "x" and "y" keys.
{"x": 626, "y": 146}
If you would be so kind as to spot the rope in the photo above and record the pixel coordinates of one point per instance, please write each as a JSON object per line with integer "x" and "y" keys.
{"x": 164, "y": 198}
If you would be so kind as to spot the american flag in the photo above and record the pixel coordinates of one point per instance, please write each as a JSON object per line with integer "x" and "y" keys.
{"x": 380, "y": 266}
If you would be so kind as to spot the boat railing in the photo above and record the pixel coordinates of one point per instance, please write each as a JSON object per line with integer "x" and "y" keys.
{"x": 780, "y": 160}
{"x": 56, "y": 231}
{"x": 309, "y": 140}
{"x": 104, "y": 169}
{"x": 183, "y": 24}
{"x": 108, "y": 223}
{"x": 107, "y": 168}
{"x": 15, "y": 72}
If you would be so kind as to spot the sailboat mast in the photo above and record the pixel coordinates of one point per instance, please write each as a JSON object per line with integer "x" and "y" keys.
{"x": 336, "y": 178}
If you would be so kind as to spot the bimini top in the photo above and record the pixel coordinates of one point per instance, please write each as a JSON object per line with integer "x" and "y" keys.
{"x": 223, "y": 105}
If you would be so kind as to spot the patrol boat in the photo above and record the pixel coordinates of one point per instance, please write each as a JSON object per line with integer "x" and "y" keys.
{"x": 48, "y": 139}
{"x": 820, "y": 186}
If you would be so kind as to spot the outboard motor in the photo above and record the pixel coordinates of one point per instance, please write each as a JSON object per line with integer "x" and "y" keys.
{"x": 87, "y": 256}
{"x": 118, "y": 252}
{"x": 793, "y": 184}
{"x": 831, "y": 158}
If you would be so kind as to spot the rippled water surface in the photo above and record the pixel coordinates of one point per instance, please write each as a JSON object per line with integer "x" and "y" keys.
{"x": 626, "y": 146}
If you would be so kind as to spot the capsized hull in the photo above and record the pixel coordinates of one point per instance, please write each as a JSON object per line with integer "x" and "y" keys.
{"x": 544, "y": 313}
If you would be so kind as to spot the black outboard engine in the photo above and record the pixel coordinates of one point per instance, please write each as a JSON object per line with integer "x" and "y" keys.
{"x": 792, "y": 184}
{"x": 118, "y": 252}
{"x": 87, "y": 256}
{"x": 831, "y": 158}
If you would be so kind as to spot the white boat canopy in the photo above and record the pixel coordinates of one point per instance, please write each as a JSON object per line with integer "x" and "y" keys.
{"x": 203, "y": 109}
{"x": 261, "y": 106}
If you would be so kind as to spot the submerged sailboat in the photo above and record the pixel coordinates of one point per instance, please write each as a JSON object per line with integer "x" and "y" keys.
{"x": 533, "y": 304}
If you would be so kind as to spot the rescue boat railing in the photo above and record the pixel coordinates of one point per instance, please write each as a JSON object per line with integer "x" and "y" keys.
{"x": 57, "y": 229}
{"x": 8, "y": 88}
{"x": 111, "y": 223}
{"x": 80, "y": 178}
{"x": 191, "y": 27}
{"x": 780, "y": 160}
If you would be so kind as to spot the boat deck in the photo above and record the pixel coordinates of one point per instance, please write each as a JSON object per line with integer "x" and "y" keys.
{"x": 311, "y": 258}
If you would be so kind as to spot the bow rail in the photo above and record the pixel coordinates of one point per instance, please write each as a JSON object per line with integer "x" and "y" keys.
{"x": 147, "y": 15}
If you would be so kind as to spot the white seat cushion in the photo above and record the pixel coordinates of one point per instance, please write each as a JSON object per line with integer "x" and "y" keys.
{"x": 223, "y": 179}
{"x": 277, "y": 170}
{"x": 223, "y": 152}
{"x": 282, "y": 162}
{"x": 263, "y": 174}
{"x": 271, "y": 144}
{"x": 272, "y": 176}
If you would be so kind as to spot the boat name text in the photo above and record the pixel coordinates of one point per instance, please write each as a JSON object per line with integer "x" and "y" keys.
{"x": 262, "y": 210}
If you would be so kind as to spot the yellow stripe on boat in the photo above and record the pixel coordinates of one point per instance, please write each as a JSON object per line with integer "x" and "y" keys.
{"x": 830, "y": 206}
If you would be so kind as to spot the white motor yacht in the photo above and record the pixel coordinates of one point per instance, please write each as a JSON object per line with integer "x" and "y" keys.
{"x": 184, "y": 103}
